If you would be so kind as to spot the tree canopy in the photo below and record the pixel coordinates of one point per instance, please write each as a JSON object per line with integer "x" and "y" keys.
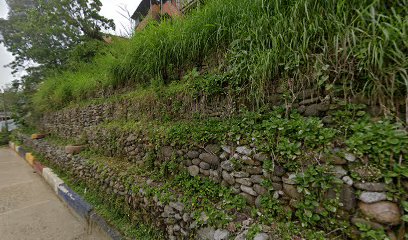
{"x": 44, "y": 31}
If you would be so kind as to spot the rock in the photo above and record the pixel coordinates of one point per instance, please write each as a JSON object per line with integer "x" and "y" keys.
{"x": 371, "y": 186}
{"x": 204, "y": 165}
{"x": 277, "y": 186}
{"x": 193, "y": 170}
{"x": 278, "y": 171}
{"x": 383, "y": 212}
{"x": 257, "y": 178}
{"x": 261, "y": 236}
{"x": 347, "y": 180}
{"x": 248, "y": 198}
{"x": 228, "y": 178}
{"x": 373, "y": 225}
{"x": 261, "y": 157}
{"x": 73, "y": 149}
{"x": 253, "y": 170}
{"x": 258, "y": 203}
{"x": 177, "y": 205}
{"x": 372, "y": 197}
{"x": 248, "y": 190}
{"x": 224, "y": 155}
{"x": 312, "y": 110}
{"x": 247, "y": 160}
{"x": 196, "y": 161}
{"x": 206, "y": 233}
{"x": 227, "y": 149}
{"x": 205, "y": 172}
{"x": 339, "y": 171}
{"x": 244, "y": 181}
{"x": 347, "y": 197}
{"x": 240, "y": 174}
{"x": 192, "y": 154}
{"x": 187, "y": 163}
{"x": 244, "y": 150}
{"x": 221, "y": 234}
{"x": 210, "y": 159}
{"x": 350, "y": 157}
{"x": 259, "y": 189}
{"x": 167, "y": 151}
{"x": 213, "y": 148}
{"x": 291, "y": 191}
{"x": 168, "y": 210}
{"x": 227, "y": 165}
{"x": 186, "y": 217}
{"x": 290, "y": 179}
{"x": 242, "y": 236}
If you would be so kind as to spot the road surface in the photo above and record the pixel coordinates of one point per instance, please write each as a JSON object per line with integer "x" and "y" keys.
{"x": 29, "y": 209}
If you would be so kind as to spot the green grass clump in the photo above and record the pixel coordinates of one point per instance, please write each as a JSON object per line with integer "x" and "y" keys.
{"x": 85, "y": 77}
{"x": 256, "y": 46}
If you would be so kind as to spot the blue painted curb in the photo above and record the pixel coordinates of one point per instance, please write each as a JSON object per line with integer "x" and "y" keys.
{"x": 21, "y": 152}
{"x": 98, "y": 220}
{"x": 73, "y": 200}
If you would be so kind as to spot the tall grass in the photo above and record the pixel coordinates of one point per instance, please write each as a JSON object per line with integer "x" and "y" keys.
{"x": 353, "y": 46}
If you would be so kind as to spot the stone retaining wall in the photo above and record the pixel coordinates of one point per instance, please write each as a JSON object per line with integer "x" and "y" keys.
{"x": 242, "y": 169}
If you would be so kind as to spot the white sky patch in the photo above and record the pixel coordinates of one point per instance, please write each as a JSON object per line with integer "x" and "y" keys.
{"x": 114, "y": 10}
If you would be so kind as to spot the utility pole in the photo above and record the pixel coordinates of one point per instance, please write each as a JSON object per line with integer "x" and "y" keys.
{"x": 4, "y": 110}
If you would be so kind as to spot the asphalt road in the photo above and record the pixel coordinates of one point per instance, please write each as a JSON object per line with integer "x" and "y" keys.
{"x": 29, "y": 209}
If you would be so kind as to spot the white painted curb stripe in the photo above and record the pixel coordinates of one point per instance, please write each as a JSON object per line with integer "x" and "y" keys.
{"x": 52, "y": 179}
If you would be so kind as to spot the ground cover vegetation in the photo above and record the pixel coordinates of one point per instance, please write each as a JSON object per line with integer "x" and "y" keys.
{"x": 295, "y": 142}
{"x": 256, "y": 47}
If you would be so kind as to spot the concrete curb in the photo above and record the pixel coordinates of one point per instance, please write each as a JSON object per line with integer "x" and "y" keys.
{"x": 68, "y": 196}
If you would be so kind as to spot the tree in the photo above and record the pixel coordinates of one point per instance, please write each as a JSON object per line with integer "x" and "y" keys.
{"x": 44, "y": 31}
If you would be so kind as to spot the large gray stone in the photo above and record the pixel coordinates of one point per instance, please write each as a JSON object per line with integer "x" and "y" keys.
{"x": 261, "y": 157}
{"x": 193, "y": 154}
{"x": 350, "y": 157}
{"x": 290, "y": 179}
{"x": 228, "y": 178}
{"x": 221, "y": 234}
{"x": 248, "y": 198}
{"x": 210, "y": 158}
{"x": 193, "y": 170}
{"x": 371, "y": 186}
{"x": 257, "y": 178}
{"x": 372, "y": 197}
{"x": 291, "y": 191}
{"x": 240, "y": 174}
{"x": 213, "y": 148}
{"x": 249, "y": 190}
{"x": 74, "y": 149}
{"x": 253, "y": 170}
{"x": 339, "y": 171}
{"x": 227, "y": 165}
{"x": 244, "y": 150}
{"x": 278, "y": 171}
{"x": 259, "y": 189}
{"x": 383, "y": 212}
{"x": 206, "y": 233}
{"x": 167, "y": 151}
{"x": 204, "y": 165}
{"x": 227, "y": 149}
{"x": 347, "y": 197}
{"x": 261, "y": 236}
{"x": 244, "y": 181}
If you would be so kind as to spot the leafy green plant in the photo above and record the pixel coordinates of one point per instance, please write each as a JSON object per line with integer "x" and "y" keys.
{"x": 368, "y": 233}
{"x": 315, "y": 207}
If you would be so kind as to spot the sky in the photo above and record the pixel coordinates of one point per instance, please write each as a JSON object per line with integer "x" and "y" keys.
{"x": 110, "y": 9}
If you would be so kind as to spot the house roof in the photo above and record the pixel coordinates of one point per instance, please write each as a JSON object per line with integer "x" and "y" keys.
{"x": 144, "y": 7}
